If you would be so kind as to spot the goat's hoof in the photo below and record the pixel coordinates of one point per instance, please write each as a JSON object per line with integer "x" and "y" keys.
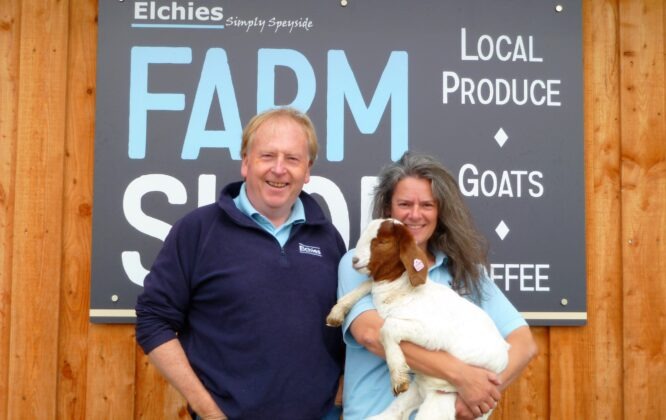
{"x": 335, "y": 317}
{"x": 333, "y": 322}
{"x": 399, "y": 379}
{"x": 400, "y": 387}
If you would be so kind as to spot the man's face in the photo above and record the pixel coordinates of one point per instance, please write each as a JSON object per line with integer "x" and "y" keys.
{"x": 276, "y": 167}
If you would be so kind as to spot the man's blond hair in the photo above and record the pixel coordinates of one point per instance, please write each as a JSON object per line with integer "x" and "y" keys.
{"x": 284, "y": 112}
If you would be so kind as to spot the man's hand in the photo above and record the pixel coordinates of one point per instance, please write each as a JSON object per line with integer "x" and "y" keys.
{"x": 214, "y": 417}
{"x": 215, "y": 414}
{"x": 338, "y": 395}
{"x": 170, "y": 359}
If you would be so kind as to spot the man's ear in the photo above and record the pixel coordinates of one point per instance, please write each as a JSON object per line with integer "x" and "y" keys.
{"x": 244, "y": 167}
{"x": 411, "y": 256}
{"x": 307, "y": 173}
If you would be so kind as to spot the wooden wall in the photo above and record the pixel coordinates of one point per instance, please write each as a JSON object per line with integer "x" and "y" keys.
{"x": 55, "y": 364}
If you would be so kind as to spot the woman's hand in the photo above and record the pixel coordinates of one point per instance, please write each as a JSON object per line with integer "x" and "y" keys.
{"x": 478, "y": 387}
{"x": 463, "y": 412}
{"x": 478, "y": 392}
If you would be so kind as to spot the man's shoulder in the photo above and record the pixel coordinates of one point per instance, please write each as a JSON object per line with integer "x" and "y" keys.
{"x": 202, "y": 213}
{"x": 313, "y": 211}
{"x": 314, "y": 215}
{"x": 196, "y": 220}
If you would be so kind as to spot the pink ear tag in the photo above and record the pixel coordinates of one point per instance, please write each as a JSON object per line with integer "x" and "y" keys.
{"x": 418, "y": 264}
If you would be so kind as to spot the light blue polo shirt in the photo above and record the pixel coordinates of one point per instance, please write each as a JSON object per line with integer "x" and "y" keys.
{"x": 281, "y": 233}
{"x": 367, "y": 389}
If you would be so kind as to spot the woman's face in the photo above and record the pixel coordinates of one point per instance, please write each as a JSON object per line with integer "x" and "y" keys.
{"x": 413, "y": 204}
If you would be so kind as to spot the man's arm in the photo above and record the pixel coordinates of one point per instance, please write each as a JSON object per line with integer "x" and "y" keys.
{"x": 170, "y": 359}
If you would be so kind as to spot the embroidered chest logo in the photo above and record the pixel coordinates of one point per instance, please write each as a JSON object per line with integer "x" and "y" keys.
{"x": 309, "y": 249}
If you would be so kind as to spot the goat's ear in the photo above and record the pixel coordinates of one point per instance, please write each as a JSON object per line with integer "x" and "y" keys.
{"x": 411, "y": 256}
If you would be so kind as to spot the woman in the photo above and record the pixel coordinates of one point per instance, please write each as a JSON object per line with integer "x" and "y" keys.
{"x": 421, "y": 193}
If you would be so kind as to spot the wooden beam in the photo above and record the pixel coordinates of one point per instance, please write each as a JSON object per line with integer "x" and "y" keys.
{"x": 9, "y": 76}
{"x": 586, "y": 374}
{"x": 37, "y": 230}
{"x": 643, "y": 206}
{"x": 111, "y": 372}
{"x": 77, "y": 211}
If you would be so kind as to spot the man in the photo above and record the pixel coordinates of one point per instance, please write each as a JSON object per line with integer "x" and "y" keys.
{"x": 233, "y": 310}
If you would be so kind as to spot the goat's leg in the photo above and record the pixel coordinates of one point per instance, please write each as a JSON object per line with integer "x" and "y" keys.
{"x": 437, "y": 406}
{"x": 408, "y": 330}
{"x": 401, "y": 407}
{"x": 337, "y": 315}
{"x": 390, "y": 336}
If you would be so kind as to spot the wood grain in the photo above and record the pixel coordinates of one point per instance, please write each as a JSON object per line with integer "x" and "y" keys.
{"x": 528, "y": 398}
{"x": 55, "y": 364}
{"x": 110, "y": 372}
{"x": 37, "y": 222}
{"x": 643, "y": 206}
{"x": 598, "y": 351}
{"x": 582, "y": 358}
{"x": 9, "y": 75}
{"x": 155, "y": 398}
{"x": 77, "y": 211}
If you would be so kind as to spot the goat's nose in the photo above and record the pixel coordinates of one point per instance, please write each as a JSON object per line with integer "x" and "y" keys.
{"x": 354, "y": 260}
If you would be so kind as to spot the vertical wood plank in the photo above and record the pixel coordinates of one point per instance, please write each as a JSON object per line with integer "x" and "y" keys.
{"x": 110, "y": 372}
{"x": 77, "y": 226}
{"x": 612, "y": 368}
{"x": 563, "y": 374}
{"x": 527, "y": 398}
{"x": 580, "y": 355}
{"x": 155, "y": 398}
{"x": 38, "y": 209}
{"x": 603, "y": 346}
{"x": 9, "y": 73}
{"x": 643, "y": 206}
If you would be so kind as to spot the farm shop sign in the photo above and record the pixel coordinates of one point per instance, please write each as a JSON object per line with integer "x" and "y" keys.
{"x": 490, "y": 88}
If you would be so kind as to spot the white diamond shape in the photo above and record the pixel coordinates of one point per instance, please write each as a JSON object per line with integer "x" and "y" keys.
{"x": 501, "y": 137}
{"x": 502, "y": 230}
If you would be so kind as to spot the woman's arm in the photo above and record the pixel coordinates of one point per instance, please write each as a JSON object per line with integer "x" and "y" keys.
{"x": 475, "y": 386}
{"x": 479, "y": 389}
{"x": 523, "y": 349}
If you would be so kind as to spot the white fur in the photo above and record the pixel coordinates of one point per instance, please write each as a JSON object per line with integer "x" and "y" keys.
{"x": 432, "y": 316}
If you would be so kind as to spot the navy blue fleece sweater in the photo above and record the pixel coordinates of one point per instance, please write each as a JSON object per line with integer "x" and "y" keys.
{"x": 249, "y": 313}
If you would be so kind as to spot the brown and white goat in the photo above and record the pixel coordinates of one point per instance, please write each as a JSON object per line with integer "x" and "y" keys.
{"x": 418, "y": 310}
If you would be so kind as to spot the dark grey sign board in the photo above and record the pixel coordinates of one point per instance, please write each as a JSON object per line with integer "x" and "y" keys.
{"x": 492, "y": 88}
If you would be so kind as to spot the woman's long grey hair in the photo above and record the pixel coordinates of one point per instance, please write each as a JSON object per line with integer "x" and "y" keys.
{"x": 455, "y": 234}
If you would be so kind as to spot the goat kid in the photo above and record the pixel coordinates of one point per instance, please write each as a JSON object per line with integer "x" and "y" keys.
{"x": 418, "y": 310}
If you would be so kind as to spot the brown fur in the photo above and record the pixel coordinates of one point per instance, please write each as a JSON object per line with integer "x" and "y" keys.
{"x": 393, "y": 251}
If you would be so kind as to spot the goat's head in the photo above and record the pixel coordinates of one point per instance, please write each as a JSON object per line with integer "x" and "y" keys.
{"x": 386, "y": 249}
